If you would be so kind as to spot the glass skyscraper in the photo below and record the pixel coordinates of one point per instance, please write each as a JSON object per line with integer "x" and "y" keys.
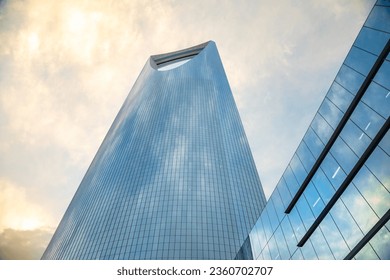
{"x": 174, "y": 177}
{"x": 333, "y": 200}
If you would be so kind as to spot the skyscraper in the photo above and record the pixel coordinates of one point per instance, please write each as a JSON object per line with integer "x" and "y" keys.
{"x": 333, "y": 200}
{"x": 174, "y": 177}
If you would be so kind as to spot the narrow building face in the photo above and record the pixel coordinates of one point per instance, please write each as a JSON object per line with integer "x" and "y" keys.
{"x": 174, "y": 178}
{"x": 333, "y": 200}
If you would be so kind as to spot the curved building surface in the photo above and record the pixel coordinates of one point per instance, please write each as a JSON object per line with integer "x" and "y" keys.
{"x": 174, "y": 177}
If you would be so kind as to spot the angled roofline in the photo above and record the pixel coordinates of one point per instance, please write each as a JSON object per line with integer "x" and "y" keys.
{"x": 160, "y": 60}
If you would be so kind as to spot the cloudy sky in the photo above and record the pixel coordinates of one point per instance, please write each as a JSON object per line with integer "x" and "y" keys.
{"x": 67, "y": 66}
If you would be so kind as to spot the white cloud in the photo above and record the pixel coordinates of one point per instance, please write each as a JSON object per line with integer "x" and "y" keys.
{"x": 17, "y": 211}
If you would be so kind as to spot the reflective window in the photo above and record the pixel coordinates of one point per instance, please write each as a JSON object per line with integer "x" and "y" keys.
{"x": 366, "y": 253}
{"x": 321, "y": 247}
{"x": 334, "y": 238}
{"x": 381, "y": 242}
{"x": 299, "y": 172}
{"x": 297, "y": 255}
{"x": 349, "y": 79}
{"x": 314, "y": 199}
{"x": 383, "y": 75}
{"x": 340, "y": 96}
{"x": 367, "y": 119}
{"x": 306, "y": 157}
{"x": 273, "y": 249}
{"x": 346, "y": 224}
{"x": 322, "y": 129}
{"x": 289, "y": 235}
{"x": 314, "y": 143}
{"x": 296, "y": 223}
{"x": 323, "y": 185}
{"x": 378, "y": 163}
{"x": 357, "y": 140}
{"x": 278, "y": 204}
{"x": 372, "y": 40}
{"x": 359, "y": 208}
{"x": 385, "y": 143}
{"x": 360, "y": 60}
{"x": 283, "y": 250}
{"x": 378, "y": 98}
{"x": 330, "y": 113}
{"x": 344, "y": 156}
{"x": 333, "y": 171}
{"x": 305, "y": 212}
{"x": 308, "y": 251}
{"x": 372, "y": 189}
{"x": 379, "y": 18}
{"x": 290, "y": 180}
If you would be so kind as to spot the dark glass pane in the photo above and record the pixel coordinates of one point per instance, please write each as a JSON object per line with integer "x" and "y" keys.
{"x": 340, "y": 96}
{"x": 378, "y": 98}
{"x": 372, "y": 40}
{"x": 349, "y": 79}
{"x": 360, "y": 60}
{"x": 379, "y": 18}
{"x": 383, "y": 75}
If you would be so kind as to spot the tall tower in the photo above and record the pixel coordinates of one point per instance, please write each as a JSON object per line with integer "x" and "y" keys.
{"x": 174, "y": 178}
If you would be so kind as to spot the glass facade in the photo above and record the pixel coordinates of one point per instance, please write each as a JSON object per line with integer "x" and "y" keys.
{"x": 333, "y": 200}
{"x": 174, "y": 177}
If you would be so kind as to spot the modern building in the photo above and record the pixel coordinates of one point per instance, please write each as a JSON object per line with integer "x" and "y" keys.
{"x": 333, "y": 200}
{"x": 174, "y": 178}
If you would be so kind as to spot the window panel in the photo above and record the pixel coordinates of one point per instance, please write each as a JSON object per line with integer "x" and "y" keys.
{"x": 333, "y": 171}
{"x": 360, "y": 60}
{"x": 339, "y": 96}
{"x": 372, "y": 190}
{"x": 296, "y": 223}
{"x": 379, "y": 163}
{"x": 289, "y": 235}
{"x": 357, "y": 140}
{"x": 383, "y": 75}
{"x": 385, "y": 143}
{"x": 367, "y": 119}
{"x": 321, "y": 246}
{"x": 346, "y": 224}
{"x": 313, "y": 143}
{"x": 283, "y": 250}
{"x": 299, "y": 172}
{"x": 308, "y": 251}
{"x": 378, "y": 98}
{"x": 379, "y": 18}
{"x": 349, "y": 79}
{"x": 381, "y": 242}
{"x": 330, "y": 113}
{"x": 372, "y": 40}
{"x": 297, "y": 255}
{"x": 306, "y": 157}
{"x": 366, "y": 253}
{"x": 313, "y": 199}
{"x": 343, "y": 155}
{"x": 359, "y": 208}
{"x": 334, "y": 238}
{"x": 321, "y": 128}
{"x": 323, "y": 185}
{"x": 305, "y": 212}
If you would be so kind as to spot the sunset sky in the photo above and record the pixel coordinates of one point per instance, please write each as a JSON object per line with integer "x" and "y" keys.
{"x": 67, "y": 66}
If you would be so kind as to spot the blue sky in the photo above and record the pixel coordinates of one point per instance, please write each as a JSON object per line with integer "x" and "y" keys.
{"x": 67, "y": 66}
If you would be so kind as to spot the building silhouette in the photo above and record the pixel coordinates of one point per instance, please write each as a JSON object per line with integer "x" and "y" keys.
{"x": 174, "y": 177}
{"x": 333, "y": 200}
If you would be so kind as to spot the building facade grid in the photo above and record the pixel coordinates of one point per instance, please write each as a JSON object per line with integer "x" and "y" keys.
{"x": 339, "y": 214}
